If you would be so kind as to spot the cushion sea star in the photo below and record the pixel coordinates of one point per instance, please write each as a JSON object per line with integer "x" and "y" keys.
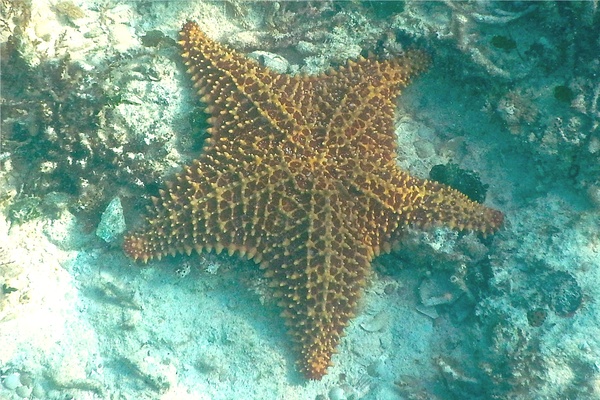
{"x": 300, "y": 175}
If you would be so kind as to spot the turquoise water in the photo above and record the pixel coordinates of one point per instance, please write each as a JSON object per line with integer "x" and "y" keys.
{"x": 98, "y": 113}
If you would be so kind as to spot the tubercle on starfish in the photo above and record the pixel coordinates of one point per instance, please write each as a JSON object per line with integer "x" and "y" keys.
{"x": 300, "y": 175}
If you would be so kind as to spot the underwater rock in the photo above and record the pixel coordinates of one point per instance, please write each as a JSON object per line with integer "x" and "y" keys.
{"x": 112, "y": 222}
{"x": 12, "y": 381}
{"x": 536, "y": 317}
{"x": 271, "y": 60}
{"x": 466, "y": 182}
{"x": 563, "y": 293}
{"x": 438, "y": 289}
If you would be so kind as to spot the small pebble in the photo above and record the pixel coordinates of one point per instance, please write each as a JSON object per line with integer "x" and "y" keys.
{"x": 38, "y": 391}
{"x": 376, "y": 368}
{"x": 337, "y": 393}
{"x": 12, "y": 381}
{"x": 376, "y": 323}
{"x": 594, "y": 194}
{"x": 389, "y": 288}
{"x": 438, "y": 289}
{"x": 26, "y": 379}
{"x": 23, "y": 391}
{"x": 274, "y": 61}
{"x": 536, "y": 317}
{"x": 424, "y": 148}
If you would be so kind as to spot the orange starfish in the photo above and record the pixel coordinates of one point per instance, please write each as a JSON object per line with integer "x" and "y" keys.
{"x": 300, "y": 175}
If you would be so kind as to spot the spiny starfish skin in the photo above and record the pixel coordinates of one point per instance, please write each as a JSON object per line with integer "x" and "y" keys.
{"x": 300, "y": 175}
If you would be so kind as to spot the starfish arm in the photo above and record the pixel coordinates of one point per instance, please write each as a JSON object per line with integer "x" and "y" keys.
{"x": 437, "y": 204}
{"x": 406, "y": 200}
{"x": 236, "y": 88}
{"x": 364, "y": 112}
{"x": 212, "y": 205}
{"x": 392, "y": 199}
{"x": 318, "y": 273}
{"x": 185, "y": 215}
{"x": 212, "y": 202}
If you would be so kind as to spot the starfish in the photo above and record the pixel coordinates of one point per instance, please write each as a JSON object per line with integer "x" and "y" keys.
{"x": 299, "y": 174}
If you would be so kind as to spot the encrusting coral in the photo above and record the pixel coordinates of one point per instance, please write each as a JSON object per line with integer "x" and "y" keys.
{"x": 300, "y": 175}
